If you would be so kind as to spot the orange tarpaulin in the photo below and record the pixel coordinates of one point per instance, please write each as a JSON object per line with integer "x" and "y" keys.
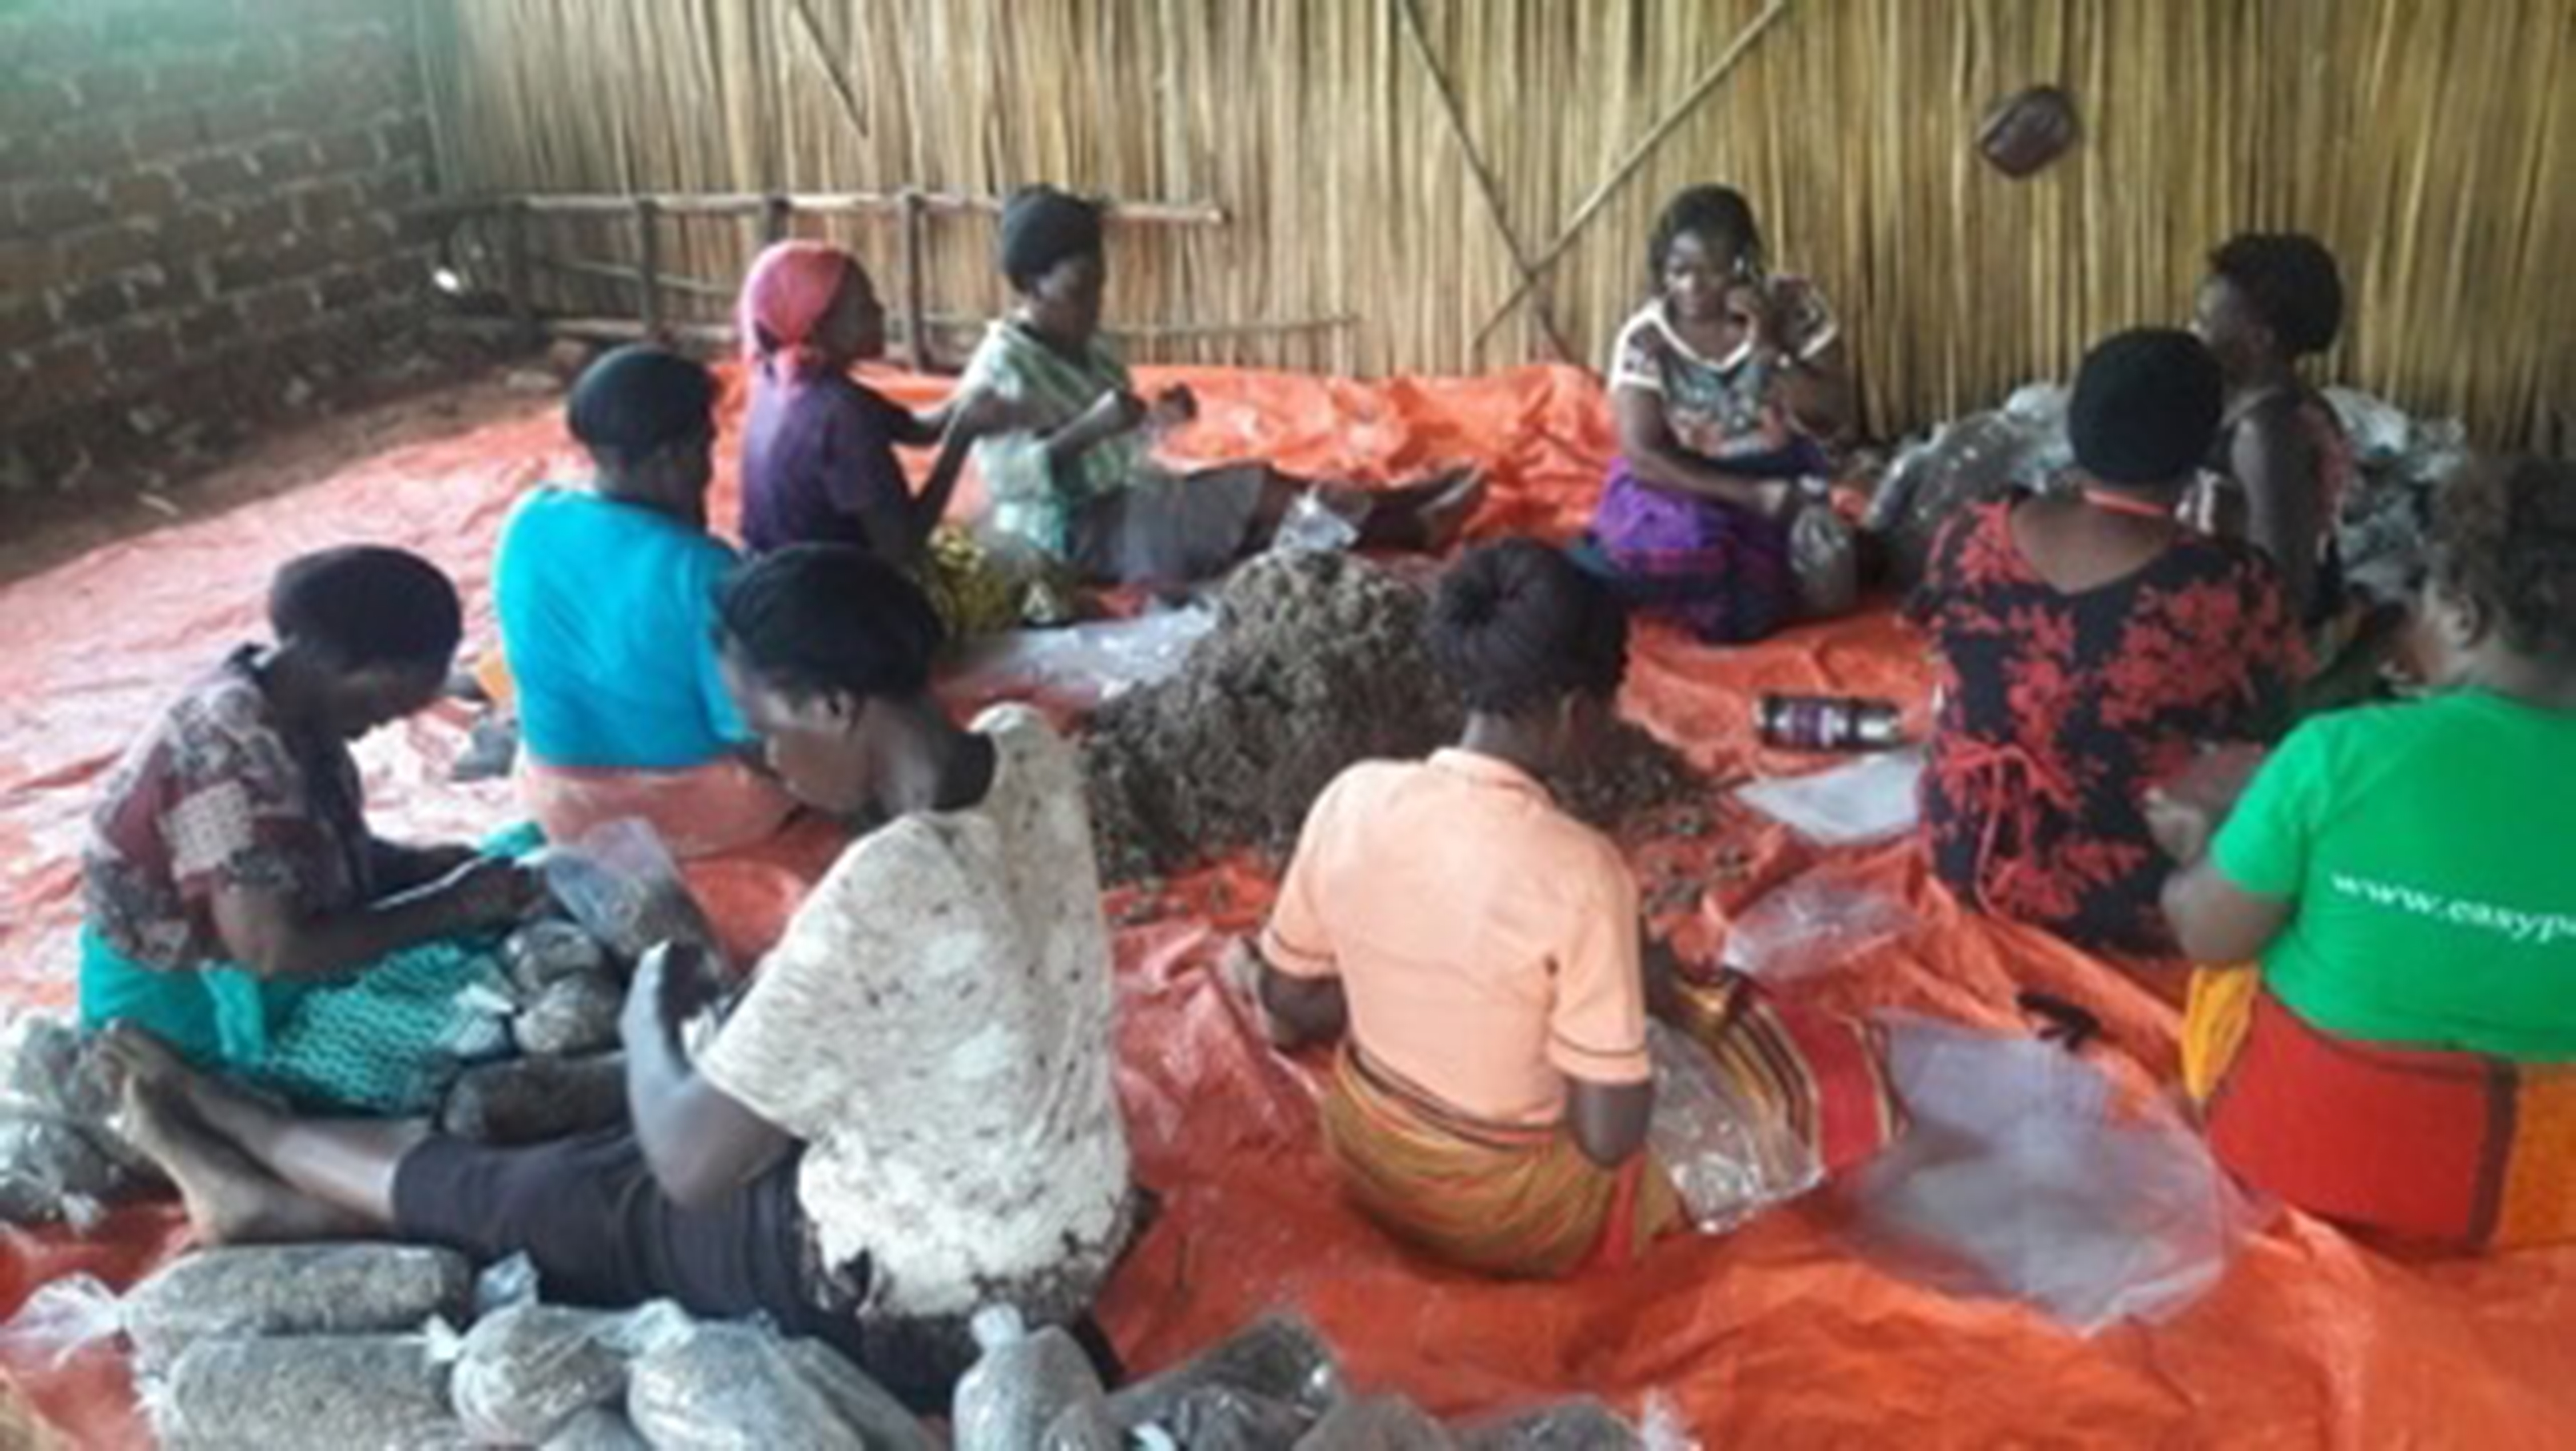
{"x": 1775, "y": 1335}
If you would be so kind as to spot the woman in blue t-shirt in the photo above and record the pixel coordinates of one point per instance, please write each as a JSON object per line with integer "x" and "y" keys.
{"x": 606, "y": 597}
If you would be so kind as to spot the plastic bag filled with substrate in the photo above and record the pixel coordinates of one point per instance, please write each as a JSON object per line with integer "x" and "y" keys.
{"x": 294, "y": 1290}
{"x": 736, "y": 1388}
{"x": 306, "y": 1393}
{"x": 861, "y": 1403}
{"x": 620, "y": 883}
{"x": 598, "y": 1429}
{"x": 1020, "y": 1384}
{"x": 52, "y": 1171}
{"x": 1377, "y": 1423}
{"x": 533, "y": 1100}
{"x": 523, "y": 1372}
{"x": 544, "y": 952}
{"x": 1085, "y": 1427}
{"x": 1729, "y": 1155}
{"x": 1567, "y": 1426}
{"x": 1222, "y": 1418}
{"x": 570, "y": 1016}
{"x": 2021, "y": 1177}
{"x": 1280, "y": 1358}
{"x": 1824, "y": 555}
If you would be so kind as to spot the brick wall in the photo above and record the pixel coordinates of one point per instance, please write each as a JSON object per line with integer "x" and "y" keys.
{"x": 201, "y": 226}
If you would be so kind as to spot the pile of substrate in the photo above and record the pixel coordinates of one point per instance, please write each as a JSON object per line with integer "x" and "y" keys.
{"x": 1317, "y": 661}
{"x": 331, "y": 1347}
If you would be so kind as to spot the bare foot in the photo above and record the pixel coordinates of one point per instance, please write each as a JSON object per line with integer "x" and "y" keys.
{"x": 129, "y": 1054}
{"x": 133, "y": 1056}
{"x": 230, "y": 1199}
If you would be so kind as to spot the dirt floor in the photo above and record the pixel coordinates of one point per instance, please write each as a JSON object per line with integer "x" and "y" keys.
{"x": 40, "y": 531}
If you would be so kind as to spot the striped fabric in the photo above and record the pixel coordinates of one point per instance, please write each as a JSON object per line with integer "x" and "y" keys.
{"x": 1522, "y": 1203}
{"x": 1525, "y": 1202}
{"x": 2459, "y": 1149}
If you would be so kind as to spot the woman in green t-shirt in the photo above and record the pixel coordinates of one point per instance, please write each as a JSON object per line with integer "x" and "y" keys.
{"x": 2400, "y": 874}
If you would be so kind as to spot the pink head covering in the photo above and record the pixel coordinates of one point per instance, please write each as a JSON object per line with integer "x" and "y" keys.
{"x": 784, "y": 299}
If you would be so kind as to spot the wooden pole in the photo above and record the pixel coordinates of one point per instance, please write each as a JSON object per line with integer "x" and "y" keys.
{"x": 1637, "y": 156}
{"x": 514, "y": 269}
{"x": 916, "y": 303}
{"x": 613, "y": 272}
{"x": 1486, "y": 185}
{"x": 777, "y": 219}
{"x": 737, "y": 204}
{"x": 648, "y": 264}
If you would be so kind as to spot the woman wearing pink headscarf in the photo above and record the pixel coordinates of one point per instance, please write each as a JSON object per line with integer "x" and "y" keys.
{"x": 818, "y": 460}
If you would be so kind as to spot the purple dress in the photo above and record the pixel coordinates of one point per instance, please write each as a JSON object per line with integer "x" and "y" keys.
{"x": 817, "y": 458}
{"x": 1719, "y": 570}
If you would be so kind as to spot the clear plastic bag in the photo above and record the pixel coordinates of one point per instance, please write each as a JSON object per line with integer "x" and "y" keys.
{"x": 1811, "y": 926}
{"x": 622, "y": 885}
{"x": 523, "y": 1372}
{"x": 1084, "y": 664}
{"x": 1312, "y": 527}
{"x": 293, "y": 1290}
{"x": 573, "y": 1015}
{"x": 1280, "y": 1358}
{"x": 2020, "y": 1178}
{"x": 737, "y": 1387}
{"x": 1875, "y": 798}
{"x": 541, "y": 953}
{"x": 1729, "y": 1157}
{"x": 60, "y": 1320}
{"x": 1584, "y": 1425}
{"x": 601, "y": 1428}
{"x": 531, "y": 1100}
{"x": 52, "y": 1171}
{"x": 1021, "y": 1384}
{"x": 1377, "y": 1423}
{"x": 1824, "y": 555}
{"x": 306, "y": 1393}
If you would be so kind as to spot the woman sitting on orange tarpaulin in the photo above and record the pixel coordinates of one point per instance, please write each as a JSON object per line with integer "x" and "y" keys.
{"x": 607, "y": 603}
{"x": 1479, "y": 953}
{"x": 2404, "y": 1057}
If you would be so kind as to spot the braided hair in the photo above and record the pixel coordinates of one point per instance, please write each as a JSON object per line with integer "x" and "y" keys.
{"x": 1516, "y": 626}
{"x": 2505, "y": 536}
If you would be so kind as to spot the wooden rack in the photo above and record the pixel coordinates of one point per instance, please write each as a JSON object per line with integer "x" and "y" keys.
{"x": 518, "y": 217}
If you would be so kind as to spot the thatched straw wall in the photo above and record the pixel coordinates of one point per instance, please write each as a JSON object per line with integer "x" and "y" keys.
{"x": 2430, "y": 142}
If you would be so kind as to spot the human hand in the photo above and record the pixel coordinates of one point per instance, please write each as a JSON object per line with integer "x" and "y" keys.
{"x": 1116, "y": 411}
{"x": 1173, "y": 407}
{"x": 2182, "y": 828}
{"x": 2185, "y": 811}
{"x": 985, "y": 412}
{"x": 491, "y": 892}
{"x": 674, "y": 982}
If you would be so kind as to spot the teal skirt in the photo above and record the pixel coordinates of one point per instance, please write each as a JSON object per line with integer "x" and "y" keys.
{"x": 389, "y": 1040}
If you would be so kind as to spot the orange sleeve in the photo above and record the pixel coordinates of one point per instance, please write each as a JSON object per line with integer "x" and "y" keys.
{"x": 1295, "y": 942}
{"x": 1597, "y": 1026}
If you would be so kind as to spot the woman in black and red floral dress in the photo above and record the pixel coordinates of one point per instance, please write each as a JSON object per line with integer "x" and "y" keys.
{"x": 2091, "y": 648}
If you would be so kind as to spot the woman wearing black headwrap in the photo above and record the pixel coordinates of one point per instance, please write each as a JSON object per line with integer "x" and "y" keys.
{"x": 2091, "y": 647}
{"x": 1079, "y": 483}
{"x": 232, "y": 882}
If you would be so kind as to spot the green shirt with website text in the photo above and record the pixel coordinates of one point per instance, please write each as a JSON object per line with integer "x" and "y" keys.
{"x": 2431, "y": 851}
